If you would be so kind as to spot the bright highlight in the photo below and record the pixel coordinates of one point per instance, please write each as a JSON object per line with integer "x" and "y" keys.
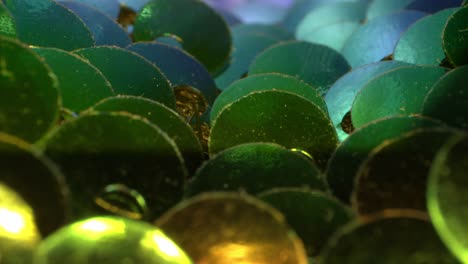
{"x": 11, "y": 222}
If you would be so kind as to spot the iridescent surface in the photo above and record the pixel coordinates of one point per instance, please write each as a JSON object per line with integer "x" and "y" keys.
{"x": 29, "y": 99}
{"x": 109, "y": 240}
{"x": 209, "y": 42}
{"x": 397, "y": 92}
{"x": 421, "y": 43}
{"x": 81, "y": 84}
{"x": 330, "y": 14}
{"x": 447, "y": 191}
{"x": 272, "y": 31}
{"x": 332, "y": 35}
{"x": 448, "y": 98}
{"x": 120, "y": 67}
{"x": 245, "y": 230}
{"x": 315, "y": 216}
{"x": 246, "y": 47}
{"x": 254, "y": 168}
{"x": 318, "y": 65}
{"x": 179, "y": 67}
{"x": 7, "y": 22}
{"x": 455, "y": 37}
{"x": 104, "y": 29}
{"x": 391, "y": 237}
{"x": 163, "y": 117}
{"x": 433, "y": 6}
{"x": 395, "y": 173}
{"x": 379, "y": 8}
{"x": 301, "y": 8}
{"x": 169, "y": 40}
{"x": 100, "y": 149}
{"x": 344, "y": 164}
{"x": 368, "y": 44}
{"x": 341, "y": 95}
{"x": 109, "y": 7}
{"x": 275, "y": 116}
{"x": 47, "y": 23}
{"x": 261, "y": 11}
{"x": 265, "y": 82}
{"x": 19, "y": 234}
{"x": 39, "y": 184}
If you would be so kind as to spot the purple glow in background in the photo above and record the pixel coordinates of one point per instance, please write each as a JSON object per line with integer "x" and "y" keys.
{"x": 254, "y": 11}
{"x": 229, "y": 4}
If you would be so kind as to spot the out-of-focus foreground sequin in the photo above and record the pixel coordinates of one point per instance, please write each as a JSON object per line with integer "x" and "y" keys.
{"x": 109, "y": 240}
{"x": 223, "y": 228}
{"x": 18, "y": 231}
